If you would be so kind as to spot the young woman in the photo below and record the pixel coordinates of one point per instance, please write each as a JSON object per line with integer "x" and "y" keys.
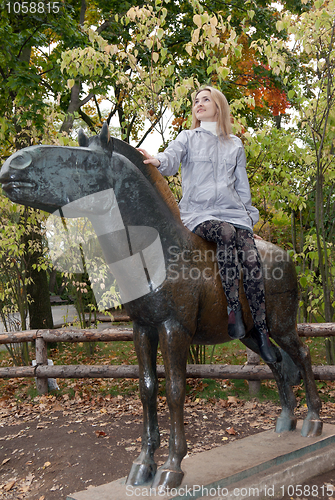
{"x": 216, "y": 205}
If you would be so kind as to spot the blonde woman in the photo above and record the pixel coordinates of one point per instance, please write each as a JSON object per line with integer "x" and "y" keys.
{"x": 216, "y": 205}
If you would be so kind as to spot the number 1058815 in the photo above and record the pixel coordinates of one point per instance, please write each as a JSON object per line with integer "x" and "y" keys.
{"x": 32, "y": 7}
{"x": 308, "y": 491}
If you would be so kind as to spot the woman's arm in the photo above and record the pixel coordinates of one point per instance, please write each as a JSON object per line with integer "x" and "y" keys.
{"x": 173, "y": 155}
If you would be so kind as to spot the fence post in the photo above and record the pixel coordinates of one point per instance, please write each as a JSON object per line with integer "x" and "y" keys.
{"x": 41, "y": 359}
{"x": 253, "y": 359}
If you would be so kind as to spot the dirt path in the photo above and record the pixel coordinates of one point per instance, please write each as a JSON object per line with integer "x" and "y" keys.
{"x": 52, "y": 446}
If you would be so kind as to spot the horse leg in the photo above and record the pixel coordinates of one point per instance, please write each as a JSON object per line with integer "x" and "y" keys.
{"x": 300, "y": 354}
{"x": 174, "y": 344}
{"x": 144, "y": 467}
{"x": 286, "y": 421}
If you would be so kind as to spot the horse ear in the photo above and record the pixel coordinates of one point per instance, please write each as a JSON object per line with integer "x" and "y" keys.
{"x": 104, "y": 134}
{"x": 82, "y": 139}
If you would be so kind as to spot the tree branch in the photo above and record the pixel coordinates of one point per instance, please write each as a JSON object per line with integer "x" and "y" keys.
{"x": 150, "y": 129}
{"x": 87, "y": 120}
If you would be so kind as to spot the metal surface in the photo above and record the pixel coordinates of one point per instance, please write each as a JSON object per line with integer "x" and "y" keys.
{"x": 189, "y": 306}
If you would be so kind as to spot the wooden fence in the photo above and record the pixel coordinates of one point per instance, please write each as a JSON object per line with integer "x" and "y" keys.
{"x": 42, "y": 371}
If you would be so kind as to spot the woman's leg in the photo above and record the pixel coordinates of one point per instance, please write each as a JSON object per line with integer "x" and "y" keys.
{"x": 254, "y": 289}
{"x": 224, "y": 235}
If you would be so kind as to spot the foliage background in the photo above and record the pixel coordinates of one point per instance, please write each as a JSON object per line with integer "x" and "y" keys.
{"x": 136, "y": 66}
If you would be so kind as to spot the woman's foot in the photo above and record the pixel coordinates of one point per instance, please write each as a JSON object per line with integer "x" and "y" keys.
{"x": 236, "y": 328}
{"x": 264, "y": 345}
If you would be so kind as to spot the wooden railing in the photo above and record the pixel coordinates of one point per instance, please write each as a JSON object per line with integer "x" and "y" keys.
{"x": 42, "y": 371}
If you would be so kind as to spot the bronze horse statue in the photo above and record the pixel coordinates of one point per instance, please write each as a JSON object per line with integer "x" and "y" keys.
{"x": 188, "y": 306}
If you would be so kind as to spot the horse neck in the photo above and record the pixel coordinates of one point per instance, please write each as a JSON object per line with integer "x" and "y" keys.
{"x": 151, "y": 173}
{"x": 152, "y": 212}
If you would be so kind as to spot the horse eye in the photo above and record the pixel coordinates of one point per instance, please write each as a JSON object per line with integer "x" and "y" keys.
{"x": 21, "y": 161}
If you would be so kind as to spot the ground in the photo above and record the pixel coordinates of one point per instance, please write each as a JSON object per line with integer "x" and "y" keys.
{"x": 51, "y": 446}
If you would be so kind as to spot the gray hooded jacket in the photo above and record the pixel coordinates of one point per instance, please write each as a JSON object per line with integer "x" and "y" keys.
{"x": 214, "y": 178}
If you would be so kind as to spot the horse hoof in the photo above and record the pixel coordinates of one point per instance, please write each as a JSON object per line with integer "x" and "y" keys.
{"x": 311, "y": 428}
{"x": 141, "y": 473}
{"x": 286, "y": 424}
{"x": 167, "y": 479}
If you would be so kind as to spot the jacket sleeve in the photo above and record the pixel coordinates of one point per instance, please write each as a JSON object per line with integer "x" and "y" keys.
{"x": 242, "y": 185}
{"x": 173, "y": 155}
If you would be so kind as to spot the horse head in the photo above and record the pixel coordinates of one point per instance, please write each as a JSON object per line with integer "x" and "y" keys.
{"x": 49, "y": 177}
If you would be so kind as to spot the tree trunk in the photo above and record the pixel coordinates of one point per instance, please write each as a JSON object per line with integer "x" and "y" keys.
{"x": 40, "y": 313}
{"x": 75, "y": 102}
{"x": 39, "y": 306}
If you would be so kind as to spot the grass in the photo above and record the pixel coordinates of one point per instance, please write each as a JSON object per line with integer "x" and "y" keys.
{"x": 123, "y": 353}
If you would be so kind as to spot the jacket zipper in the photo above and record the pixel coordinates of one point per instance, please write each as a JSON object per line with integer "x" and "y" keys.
{"x": 216, "y": 166}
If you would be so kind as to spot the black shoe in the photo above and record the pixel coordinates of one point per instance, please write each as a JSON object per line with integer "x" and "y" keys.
{"x": 236, "y": 328}
{"x": 264, "y": 346}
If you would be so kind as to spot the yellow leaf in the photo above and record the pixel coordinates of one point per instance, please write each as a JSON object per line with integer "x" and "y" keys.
{"x": 131, "y": 14}
{"x": 213, "y": 21}
{"x": 70, "y": 83}
{"x": 188, "y": 49}
{"x": 155, "y": 57}
{"x": 149, "y": 43}
{"x": 279, "y": 25}
{"x": 195, "y": 36}
{"x": 8, "y": 486}
{"x": 197, "y": 20}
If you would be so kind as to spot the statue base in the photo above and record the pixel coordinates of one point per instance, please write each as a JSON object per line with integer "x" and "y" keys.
{"x": 265, "y": 465}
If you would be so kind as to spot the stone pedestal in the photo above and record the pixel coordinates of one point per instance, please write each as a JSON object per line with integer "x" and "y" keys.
{"x": 263, "y": 466}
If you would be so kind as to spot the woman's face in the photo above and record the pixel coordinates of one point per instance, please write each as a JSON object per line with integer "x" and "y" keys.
{"x": 205, "y": 108}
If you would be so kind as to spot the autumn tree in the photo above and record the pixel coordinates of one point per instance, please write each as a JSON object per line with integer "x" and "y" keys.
{"x": 298, "y": 163}
{"x": 315, "y": 97}
{"x": 144, "y": 58}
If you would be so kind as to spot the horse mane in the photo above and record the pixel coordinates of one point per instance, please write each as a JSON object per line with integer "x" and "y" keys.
{"x": 104, "y": 141}
{"x": 151, "y": 173}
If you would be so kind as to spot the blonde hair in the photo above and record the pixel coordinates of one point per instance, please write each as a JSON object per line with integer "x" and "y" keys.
{"x": 223, "y": 125}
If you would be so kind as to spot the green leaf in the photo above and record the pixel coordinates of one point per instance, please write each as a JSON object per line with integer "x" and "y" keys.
{"x": 160, "y": 33}
{"x": 223, "y": 72}
{"x": 303, "y": 281}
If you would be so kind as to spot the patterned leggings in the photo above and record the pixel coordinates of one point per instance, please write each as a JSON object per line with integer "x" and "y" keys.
{"x": 236, "y": 245}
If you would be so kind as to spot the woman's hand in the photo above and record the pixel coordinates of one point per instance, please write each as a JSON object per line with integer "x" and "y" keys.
{"x": 149, "y": 158}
